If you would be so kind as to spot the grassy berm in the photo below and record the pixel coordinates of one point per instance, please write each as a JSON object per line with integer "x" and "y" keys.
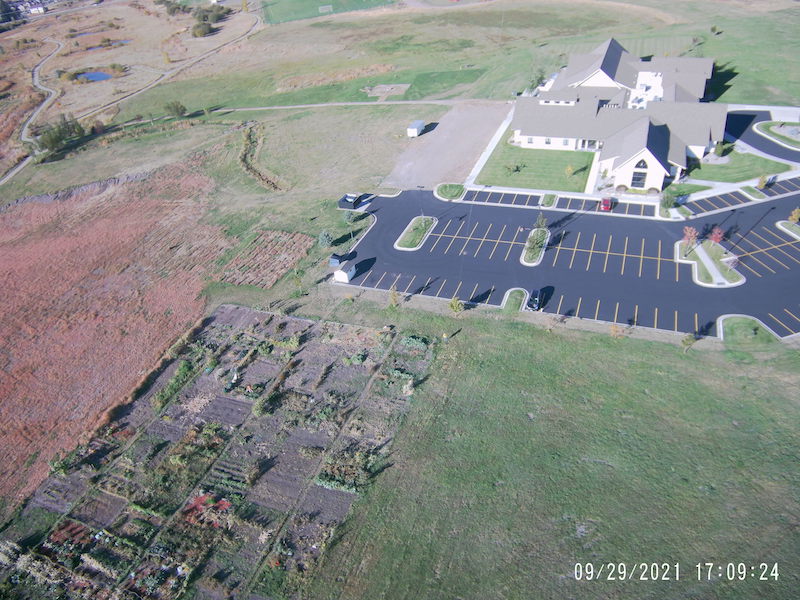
{"x": 528, "y": 451}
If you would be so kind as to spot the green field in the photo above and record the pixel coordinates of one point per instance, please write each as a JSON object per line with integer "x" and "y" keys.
{"x": 740, "y": 168}
{"x": 418, "y": 228}
{"x": 512, "y": 166}
{"x": 528, "y": 451}
{"x": 774, "y": 130}
{"x": 281, "y": 11}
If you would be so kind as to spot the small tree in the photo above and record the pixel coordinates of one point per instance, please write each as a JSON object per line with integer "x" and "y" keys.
{"x": 541, "y": 221}
{"x": 716, "y": 235}
{"x": 689, "y": 239}
{"x": 616, "y": 331}
{"x": 456, "y": 306}
{"x": 719, "y": 149}
{"x": 569, "y": 170}
{"x": 175, "y": 109}
{"x": 794, "y": 217}
{"x": 325, "y": 239}
{"x": 688, "y": 341}
{"x": 762, "y": 182}
{"x": 394, "y": 297}
{"x": 668, "y": 199}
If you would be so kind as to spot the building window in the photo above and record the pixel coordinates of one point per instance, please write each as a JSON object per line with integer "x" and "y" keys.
{"x": 641, "y": 164}
{"x": 547, "y": 141}
{"x": 566, "y": 142}
{"x": 638, "y": 179}
{"x": 530, "y": 140}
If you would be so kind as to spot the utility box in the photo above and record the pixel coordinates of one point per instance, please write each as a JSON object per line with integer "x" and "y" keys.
{"x": 335, "y": 260}
{"x": 345, "y": 274}
{"x": 415, "y": 129}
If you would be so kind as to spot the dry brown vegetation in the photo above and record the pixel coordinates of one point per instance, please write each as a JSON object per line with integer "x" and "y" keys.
{"x": 96, "y": 287}
{"x": 268, "y": 257}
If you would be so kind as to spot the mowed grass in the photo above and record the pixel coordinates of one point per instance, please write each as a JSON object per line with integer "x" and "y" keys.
{"x": 280, "y": 11}
{"x": 528, "y": 451}
{"x": 416, "y": 232}
{"x": 740, "y": 168}
{"x": 512, "y": 166}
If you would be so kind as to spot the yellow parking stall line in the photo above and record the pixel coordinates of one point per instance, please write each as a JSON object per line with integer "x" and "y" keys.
{"x": 440, "y": 234}
{"x": 591, "y": 252}
{"x": 427, "y": 283}
{"x": 583, "y": 203}
{"x": 472, "y": 295}
{"x": 711, "y": 203}
{"x": 791, "y": 314}
{"x": 511, "y": 243}
{"x": 794, "y": 244}
{"x": 560, "y": 300}
{"x": 597, "y": 310}
{"x": 658, "y": 264}
{"x": 624, "y": 256}
{"x": 558, "y": 249}
{"x": 608, "y": 251}
{"x": 751, "y": 254}
{"x": 776, "y": 247}
{"x": 744, "y": 264}
{"x": 636, "y": 314}
{"x": 364, "y": 281}
{"x": 655, "y": 319}
{"x": 627, "y": 207}
{"x": 379, "y": 280}
{"x": 497, "y": 241}
{"x": 677, "y": 271}
{"x": 787, "y": 328}
{"x": 578, "y": 310}
{"x": 453, "y": 239}
{"x": 696, "y": 324}
{"x": 475, "y": 195}
{"x": 441, "y": 287}
{"x": 641, "y": 257}
{"x": 721, "y": 199}
{"x": 781, "y": 238}
{"x": 574, "y": 250}
{"x": 468, "y": 240}
{"x": 641, "y": 210}
{"x": 485, "y": 235}
{"x": 759, "y": 249}
{"x": 502, "y": 194}
{"x": 489, "y": 297}
{"x": 616, "y": 312}
{"x": 514, "y": 201}
{"x": 458, "y": 287}
{"x": 676, "y": 321}
{"x": 394, "y": 283}
{"x": 408, "y": 287}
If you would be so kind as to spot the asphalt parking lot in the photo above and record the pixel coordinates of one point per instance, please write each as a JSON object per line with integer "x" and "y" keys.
{"x": 598, "y": 267}
{"x": 506, "y": 198}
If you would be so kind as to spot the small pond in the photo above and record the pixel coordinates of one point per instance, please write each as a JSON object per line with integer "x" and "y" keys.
{"x": 94, "y": 76}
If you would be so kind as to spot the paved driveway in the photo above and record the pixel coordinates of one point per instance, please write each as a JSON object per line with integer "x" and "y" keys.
{"x": 740, "y": 126}
{"x": 596, "y": 266}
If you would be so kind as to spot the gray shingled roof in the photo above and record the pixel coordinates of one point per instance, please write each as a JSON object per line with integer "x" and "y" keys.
{"x": 630, "y": 141}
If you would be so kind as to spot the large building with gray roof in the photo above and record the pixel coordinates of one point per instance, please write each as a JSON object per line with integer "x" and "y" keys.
{"x": 643, "y": 118}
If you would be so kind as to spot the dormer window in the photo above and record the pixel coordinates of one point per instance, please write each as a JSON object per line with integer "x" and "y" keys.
{"x": 641, "y": 164}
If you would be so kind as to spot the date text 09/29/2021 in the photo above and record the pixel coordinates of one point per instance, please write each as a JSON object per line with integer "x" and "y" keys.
{"x": 663, "y": 571}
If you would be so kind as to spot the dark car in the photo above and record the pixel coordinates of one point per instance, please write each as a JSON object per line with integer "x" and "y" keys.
{"x": 535, "y": 300}
{"x": 606, "y": 204}
{"x": 350, "y": 201}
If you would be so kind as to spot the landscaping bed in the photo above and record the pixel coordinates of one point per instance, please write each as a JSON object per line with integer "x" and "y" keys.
{"x": 414, "y": 234}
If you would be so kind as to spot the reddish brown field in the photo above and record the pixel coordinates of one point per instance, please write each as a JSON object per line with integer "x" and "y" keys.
{"x": 95, "y": 288}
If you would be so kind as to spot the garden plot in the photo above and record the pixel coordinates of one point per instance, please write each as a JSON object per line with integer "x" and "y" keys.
{"x": 100, "y": 510}
{"x": 245, "y": 453}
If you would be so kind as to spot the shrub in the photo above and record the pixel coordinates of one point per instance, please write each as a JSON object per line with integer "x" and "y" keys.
{"x": 325, "y": 239}
{"x": 415, "y": 342}
{"x": 175, "y": 108}
{"x": 201, "y": 29}
{"x": 621, "y": 189}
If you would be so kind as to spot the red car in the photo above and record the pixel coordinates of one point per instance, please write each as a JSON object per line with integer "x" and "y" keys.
{"x": 606, "y": 204}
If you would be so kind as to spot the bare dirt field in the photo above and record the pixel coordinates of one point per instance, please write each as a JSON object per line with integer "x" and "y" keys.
{"x": 448, "y": 152}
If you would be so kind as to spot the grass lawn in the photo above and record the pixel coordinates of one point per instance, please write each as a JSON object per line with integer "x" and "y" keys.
{"x": 451, "y": 191}
{"x": 793, "y": 227}
{"x": 773, "y": 129}
{"x": 741, "y": 331}
{"x": 280, "y": 11}
{"x": 522, "y": 457}
{"x": 740, "y": 168}
{"x": 684, "y": 189}
{"x": 514, "y": 301}
{"x": 716, "y": 253}
{"x": 536, "y": 245}
{"x": 538, "y": 169}
{"x": 418, "y": 229}
{"x": 753, "y": 192}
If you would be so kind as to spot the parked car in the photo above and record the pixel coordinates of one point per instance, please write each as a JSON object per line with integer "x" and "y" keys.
{"x": 606, "y": 204}
{"x": 350, "y": 201}
{"x": 535, "y": 300}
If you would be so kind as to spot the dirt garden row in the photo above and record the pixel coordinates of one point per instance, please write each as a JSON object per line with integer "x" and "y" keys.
{"x": 229, "y": 473}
